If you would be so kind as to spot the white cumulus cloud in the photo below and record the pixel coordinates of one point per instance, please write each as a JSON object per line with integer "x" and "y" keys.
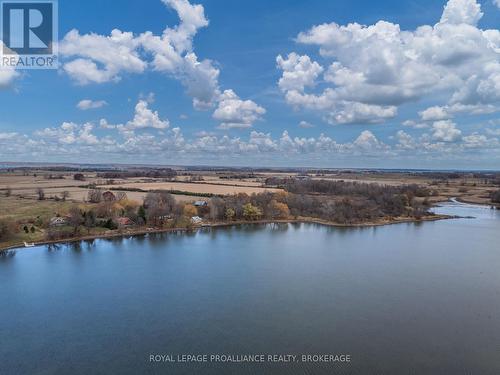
{"x": 434, "y": 113}
{"x": 144, "y": 118}
{"x": 93, "y": 58}
{"x": 101, "y": 58}
{"x": 445, "y": 131}
{"x": 298, "y": 72}
{"x": 233, "y": 112}
{"x": 305, "y": 125}
{"x": 370, "y": 71}
{"x": 86, "y": 104}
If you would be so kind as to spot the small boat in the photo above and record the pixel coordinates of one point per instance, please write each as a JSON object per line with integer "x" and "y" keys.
{"x": 29, "y": 244}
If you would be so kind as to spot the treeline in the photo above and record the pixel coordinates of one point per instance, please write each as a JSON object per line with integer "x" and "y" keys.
{"x": 349, "y": 188}
{"x": 332, "y": 201}
{"x": 342, "y": 210}
{"x": 237, "y": 176}
{"x": 152, "y": 173}
{"x": 139, "y": 190}
{"x": 348, "y": 202}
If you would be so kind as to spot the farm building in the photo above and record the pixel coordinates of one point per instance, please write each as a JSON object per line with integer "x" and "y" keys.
{"x": 108, "y": 196}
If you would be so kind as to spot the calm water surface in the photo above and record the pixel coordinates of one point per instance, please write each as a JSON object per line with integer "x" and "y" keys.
{"x": 400, "y": 299}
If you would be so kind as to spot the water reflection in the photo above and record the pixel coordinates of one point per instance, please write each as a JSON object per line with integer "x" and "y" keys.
{"x": 75, "y": 247}
{"x": 140, "y": 239}
{"x": 54, "y": 247}
{"x": 7, "y": 254}
{"x": 90, "y": 245}
{"x": 118, "y": 240}
{"x": 278, "y": 227}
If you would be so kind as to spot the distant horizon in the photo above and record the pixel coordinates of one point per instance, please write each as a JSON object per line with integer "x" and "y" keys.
{"x": 6, "y": 164}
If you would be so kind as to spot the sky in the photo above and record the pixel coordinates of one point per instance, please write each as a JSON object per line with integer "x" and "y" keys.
{"x": 338, "y": 84}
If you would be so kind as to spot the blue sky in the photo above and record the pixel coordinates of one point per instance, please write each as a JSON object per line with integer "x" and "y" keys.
{"x": 281, "y": 83}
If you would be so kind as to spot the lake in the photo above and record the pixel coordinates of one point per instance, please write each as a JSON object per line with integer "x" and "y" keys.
{"x": 399, "y": 299}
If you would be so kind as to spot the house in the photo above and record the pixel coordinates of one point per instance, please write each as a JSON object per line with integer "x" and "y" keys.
{"x": 303, "y": 177}
{"x": 108, "y": 196}
{"x": 196, "y": 220}
{"x": 57, "y": 221}
{"x": 200, "y": 203}
{"x": 124, "y": 222}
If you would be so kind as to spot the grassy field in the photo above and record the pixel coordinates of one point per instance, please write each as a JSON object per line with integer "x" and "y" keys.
{"x": 199, "y": 188}
{"x": 218, "y": 181}
{"x": 20, "y": 212}
{"x": 16, "y": 209}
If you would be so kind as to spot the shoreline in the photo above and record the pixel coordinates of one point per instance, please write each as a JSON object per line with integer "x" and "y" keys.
{"x": 303, "y": 220}
{"x": 495, "y": 206}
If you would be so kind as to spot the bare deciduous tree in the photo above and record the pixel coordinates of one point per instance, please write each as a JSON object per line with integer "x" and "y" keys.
{"x": 158, "y": 205}
{"x": 120, "y": 196}
{"x": 217, "y": 208}
{"x": 40, "y": 193}
{"x": 75, "y": 218}
{"x": 94, "y": 196}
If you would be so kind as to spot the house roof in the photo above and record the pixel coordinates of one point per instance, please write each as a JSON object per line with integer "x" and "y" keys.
{"x": 124, "y": 221}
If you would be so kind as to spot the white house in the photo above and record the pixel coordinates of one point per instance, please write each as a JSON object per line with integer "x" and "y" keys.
{"x": 57, "y": 221}
{"x": 196, "y": 220}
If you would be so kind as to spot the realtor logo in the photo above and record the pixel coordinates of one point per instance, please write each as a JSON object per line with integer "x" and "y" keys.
{"x": 29, "y": 34}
